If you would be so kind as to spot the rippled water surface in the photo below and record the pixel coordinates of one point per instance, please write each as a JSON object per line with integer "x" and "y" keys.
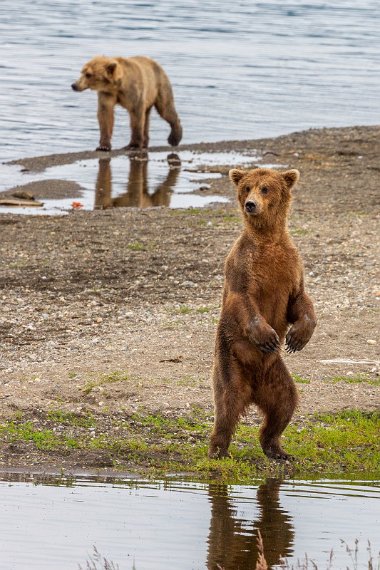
{"x": 239, "y": 69}
{"x": 187, "y": 526}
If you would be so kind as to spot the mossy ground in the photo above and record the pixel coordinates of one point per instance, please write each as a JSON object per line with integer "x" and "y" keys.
{"x": 153, "y": 445}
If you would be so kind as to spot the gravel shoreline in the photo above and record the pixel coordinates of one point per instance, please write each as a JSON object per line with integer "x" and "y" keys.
{"x": 114, "y": 311}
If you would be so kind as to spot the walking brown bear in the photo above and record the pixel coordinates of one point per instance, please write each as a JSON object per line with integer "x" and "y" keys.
{"x": 263, "y": 294}
{"x": 136, "y": 83}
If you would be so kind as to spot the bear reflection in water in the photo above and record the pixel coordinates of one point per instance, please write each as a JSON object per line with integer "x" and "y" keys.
{"x": 137, "y": 194}
{"x": 232, "y": 541}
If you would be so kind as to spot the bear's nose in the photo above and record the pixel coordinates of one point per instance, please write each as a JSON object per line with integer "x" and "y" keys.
{"x": 74, "y": 87}
{"x": 250, "y": 207}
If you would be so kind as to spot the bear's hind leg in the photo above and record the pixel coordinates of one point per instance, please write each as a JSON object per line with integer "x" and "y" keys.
{"x": 232, "y": 396}
{"x": 277, "y": 399}
{"x": 146, "y": 128}
{"x": 166, "y": 109}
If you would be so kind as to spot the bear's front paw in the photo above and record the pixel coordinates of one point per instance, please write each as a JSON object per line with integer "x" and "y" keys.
{"x": 264, "y": 337}
{"x": 104, "y": 147}
{"x": 299, "y": 334}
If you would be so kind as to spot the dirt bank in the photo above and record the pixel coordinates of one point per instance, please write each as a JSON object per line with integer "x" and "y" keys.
{"x": 114, "y": 312}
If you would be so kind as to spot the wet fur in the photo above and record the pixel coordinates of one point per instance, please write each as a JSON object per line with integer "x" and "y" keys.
{"x": 136, "y": 83}
{"x": 263, "y": 295}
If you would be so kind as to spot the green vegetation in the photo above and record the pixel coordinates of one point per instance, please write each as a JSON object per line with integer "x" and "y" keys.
{"x": 136, "y": 246}
{"x": 359, "y": 379}
{"x": 231, "y": 218}
{"x": 202, "y": 310}
{"x": 189, "y": 212}
{"x": 300, "y": 380}
{"x": 71, "y": 419}
{"x": 112, "y": 378}
{"x": 335, "y": 445}
{"x": 184, "y": 310}
{"x": 298, "y": 232}
{"x": 43, "y": 439}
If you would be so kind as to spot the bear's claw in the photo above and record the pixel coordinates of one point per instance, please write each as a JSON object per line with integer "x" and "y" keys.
{"x": 270, "y": 345}
{"x": 293, "y": 344}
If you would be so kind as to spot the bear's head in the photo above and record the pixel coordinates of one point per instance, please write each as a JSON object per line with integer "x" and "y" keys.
{"x": 264, "y": 195}
{"x": 100, "y": 74}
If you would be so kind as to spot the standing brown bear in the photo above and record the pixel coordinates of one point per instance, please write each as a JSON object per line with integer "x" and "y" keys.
{"x": 263, "y": 294}
{"x": 137, "y": 84}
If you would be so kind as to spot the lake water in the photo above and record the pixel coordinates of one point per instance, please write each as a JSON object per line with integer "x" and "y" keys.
{"x": 239, "y": 69}
{"x": 169, "y": 525}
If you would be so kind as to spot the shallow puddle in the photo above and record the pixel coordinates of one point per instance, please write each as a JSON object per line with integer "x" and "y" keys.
{"x": 182, "y": 525}
{"x": 142, "y": 181}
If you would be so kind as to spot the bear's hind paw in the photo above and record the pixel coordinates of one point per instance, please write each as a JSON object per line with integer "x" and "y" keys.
{"x": 279, "y": 455}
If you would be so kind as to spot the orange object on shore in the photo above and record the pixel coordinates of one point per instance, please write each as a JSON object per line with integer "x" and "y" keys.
{"x": 76, "y": 205}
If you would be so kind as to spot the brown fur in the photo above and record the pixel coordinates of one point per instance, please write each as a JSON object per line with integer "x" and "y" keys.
{"x": 137, "y": 84}
{"x": 263, "y": 294}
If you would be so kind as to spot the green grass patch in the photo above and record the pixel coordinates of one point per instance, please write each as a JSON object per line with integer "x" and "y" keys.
{"x": 43, "y": 439}
{"x": 358, "y": 379}
{"x": 300, "y": 380}
{"x": 298, "y": 232}
{"x": 231, "y": 218}
{"x": 70, "y": 419}
{"x": 136, "y": 246}
{"x": 189, "y": 212}
{"x": 184, "y": 310}
{"x": 346, "y": 442}
{"x": 111, "y": 378}
{"x": 342, "y": 445}
{"x": 203, "y": 310}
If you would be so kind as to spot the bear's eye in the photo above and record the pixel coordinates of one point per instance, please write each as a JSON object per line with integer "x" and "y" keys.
{"x": 247, "y": 189}
{"x": 264, "y": 190}
{"x": 88, "y": 75}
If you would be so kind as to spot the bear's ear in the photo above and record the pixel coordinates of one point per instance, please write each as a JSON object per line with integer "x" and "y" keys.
{"x": 291, "y": 177}
{"x": 236, "y": 175}
{"x": 114, "y": 70}
{"x": 110, "y": 68}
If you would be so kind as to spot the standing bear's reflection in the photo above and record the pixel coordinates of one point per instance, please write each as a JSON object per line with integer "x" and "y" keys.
{"x": 232, "y": 542}
{"x": 137, "y": 193}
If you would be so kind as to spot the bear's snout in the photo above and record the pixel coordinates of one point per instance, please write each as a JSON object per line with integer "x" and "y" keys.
{"x": 251, "y": 207}
{"x": 74, "y": 87}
